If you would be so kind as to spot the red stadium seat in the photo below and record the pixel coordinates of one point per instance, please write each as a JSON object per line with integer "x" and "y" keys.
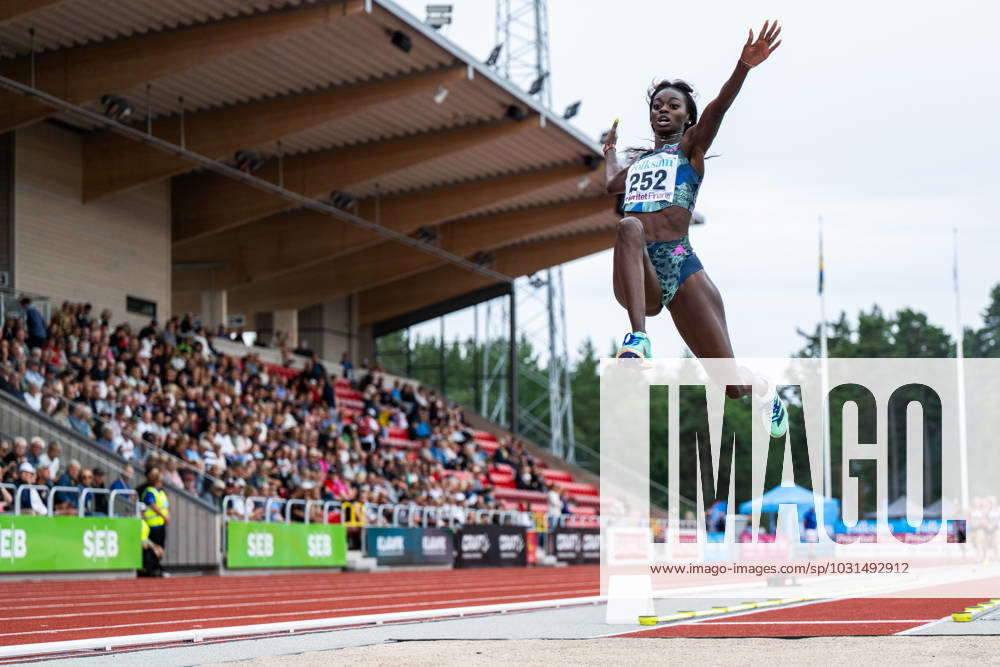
{"x": 580, "y": 489}
{"x": 556, "y": 476}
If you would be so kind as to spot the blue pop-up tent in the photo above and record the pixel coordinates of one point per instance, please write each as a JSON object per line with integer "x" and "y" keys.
{"x": 792, "y": 494}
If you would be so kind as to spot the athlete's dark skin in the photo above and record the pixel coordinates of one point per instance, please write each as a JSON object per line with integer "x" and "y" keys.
{"x": 696, "y": 308}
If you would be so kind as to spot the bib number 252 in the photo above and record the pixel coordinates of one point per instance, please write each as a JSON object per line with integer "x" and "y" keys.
{"x": 647, "y": 180}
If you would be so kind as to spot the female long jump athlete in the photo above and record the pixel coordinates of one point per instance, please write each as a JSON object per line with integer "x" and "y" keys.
{"x": 654, "y": 265}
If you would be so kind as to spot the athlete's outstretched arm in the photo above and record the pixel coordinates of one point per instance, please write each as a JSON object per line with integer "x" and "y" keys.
{"x": 614, "y": 173}
{"x": 754, "y": 53}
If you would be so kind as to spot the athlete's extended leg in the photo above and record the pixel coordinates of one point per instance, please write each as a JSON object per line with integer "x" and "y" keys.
{"x": 700, "y": 318}
{"x": 636, "y": 286}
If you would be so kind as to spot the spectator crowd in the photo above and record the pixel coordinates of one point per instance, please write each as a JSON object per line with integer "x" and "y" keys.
{"x": 217, "y": 425}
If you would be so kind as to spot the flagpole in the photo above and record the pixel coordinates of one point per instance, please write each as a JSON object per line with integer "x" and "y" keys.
{"x": 963, "y": 452}
{"x": 824, "y": 373}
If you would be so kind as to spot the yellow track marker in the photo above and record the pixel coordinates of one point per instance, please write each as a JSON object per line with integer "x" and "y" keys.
{"x": 679, "y": 616}
{"x": 707, "y": 612}
{"x": 743, "y": 606}
{"x": 971, "y": 612}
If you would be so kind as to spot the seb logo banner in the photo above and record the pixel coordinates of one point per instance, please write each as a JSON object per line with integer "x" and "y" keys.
{"x": 250, "y": 544}
{"x": 410, "y": 546}
{"x": 69, "y": 543}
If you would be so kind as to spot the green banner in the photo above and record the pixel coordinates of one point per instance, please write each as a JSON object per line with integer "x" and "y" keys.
{"x": 69, "y": 543}
{"x": 261, "y": 544}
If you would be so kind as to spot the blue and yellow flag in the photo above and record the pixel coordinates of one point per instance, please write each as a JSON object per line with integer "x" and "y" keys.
{"x": 820, "y": 290}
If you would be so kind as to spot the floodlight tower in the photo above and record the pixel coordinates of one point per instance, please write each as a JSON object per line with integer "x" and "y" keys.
{"x": 522, "y": 28}
{"x": 522, "y": 37}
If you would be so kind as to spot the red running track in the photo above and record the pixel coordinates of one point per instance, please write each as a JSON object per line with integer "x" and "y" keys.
{"x": 66, "y": 610}
{"x": 835, "y": 618}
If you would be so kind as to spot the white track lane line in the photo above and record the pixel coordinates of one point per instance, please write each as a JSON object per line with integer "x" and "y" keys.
{"x": 223, "y": 584}
{"x": 200, "y": 634}
{"x": 285, "y": 601}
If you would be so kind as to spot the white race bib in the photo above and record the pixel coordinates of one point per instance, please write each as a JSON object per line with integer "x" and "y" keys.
{"x": 651, "y": 178}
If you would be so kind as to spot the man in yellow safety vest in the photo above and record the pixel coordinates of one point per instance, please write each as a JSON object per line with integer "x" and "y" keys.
{"x": 157, "y": 512}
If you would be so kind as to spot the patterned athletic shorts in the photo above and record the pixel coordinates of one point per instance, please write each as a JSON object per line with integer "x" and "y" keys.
{"x": 674, "y": 261}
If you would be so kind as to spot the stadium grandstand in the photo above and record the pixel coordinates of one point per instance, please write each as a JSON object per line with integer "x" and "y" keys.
{"x": 311, "y": 171}
{"x": 212, "y": 212}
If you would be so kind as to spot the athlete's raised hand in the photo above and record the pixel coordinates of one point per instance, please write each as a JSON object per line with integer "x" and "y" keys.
{"x": 756, "y": 52}
{"x": 611, "y": 138}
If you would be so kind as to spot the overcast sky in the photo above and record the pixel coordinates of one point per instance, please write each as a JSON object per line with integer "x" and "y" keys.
{"x": 879, "y": 116}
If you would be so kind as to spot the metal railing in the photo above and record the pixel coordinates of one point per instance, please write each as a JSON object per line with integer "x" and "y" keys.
{"x": 229, "y": 502}
{"x": 82, "y": 509}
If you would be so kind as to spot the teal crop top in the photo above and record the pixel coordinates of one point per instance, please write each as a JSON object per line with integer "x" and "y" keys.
{"x": 660, "y": 179}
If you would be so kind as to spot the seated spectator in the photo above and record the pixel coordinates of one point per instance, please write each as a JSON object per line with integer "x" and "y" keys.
{"x": 43, "y": 475}
{"x": 33, "y": 396}
{"x": 100, "y": 504}
{"x": 238, "y": 507}
{"x": 528, "y": 480}
{"x": 214, "y": 492}
{"x": 86, "y": 480}
{"x": 51, "y": 458}
{"x": 17, "y": 454}
{"x": 66, "y": 501}
{"x": 36, "y": 450}
{"x": 33, "y": 373}
{"x": 30, "y": 500}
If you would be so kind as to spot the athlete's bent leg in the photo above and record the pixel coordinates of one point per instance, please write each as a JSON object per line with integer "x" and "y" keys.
{"x": 636, "y": 286}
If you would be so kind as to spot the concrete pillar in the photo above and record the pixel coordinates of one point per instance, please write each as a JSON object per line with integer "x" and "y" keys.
{"x": 331, "y": 328}
{"x": 213, "y": 308}
{"x": 287, "y": 322}
{"x": 365, "y": 345}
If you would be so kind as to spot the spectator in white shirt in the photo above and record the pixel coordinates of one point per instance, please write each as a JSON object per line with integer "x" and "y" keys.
{"x": 50, "y": 459}
{"x": 31, "y": 501}
{"x": 32, "y": 374}
{"x": 124, "y": 446}
{"x": 224, "y": 441}
{"x": 553, "y": 501}
{"x": 33, "y": 397}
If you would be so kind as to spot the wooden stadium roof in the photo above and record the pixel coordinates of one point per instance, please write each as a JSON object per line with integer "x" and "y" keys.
{"x": 320, "y": 83}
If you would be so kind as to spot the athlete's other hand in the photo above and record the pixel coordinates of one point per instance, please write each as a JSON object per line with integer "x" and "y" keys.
{"x": 756, "y": 52}
{"x": 611, "y": 138}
